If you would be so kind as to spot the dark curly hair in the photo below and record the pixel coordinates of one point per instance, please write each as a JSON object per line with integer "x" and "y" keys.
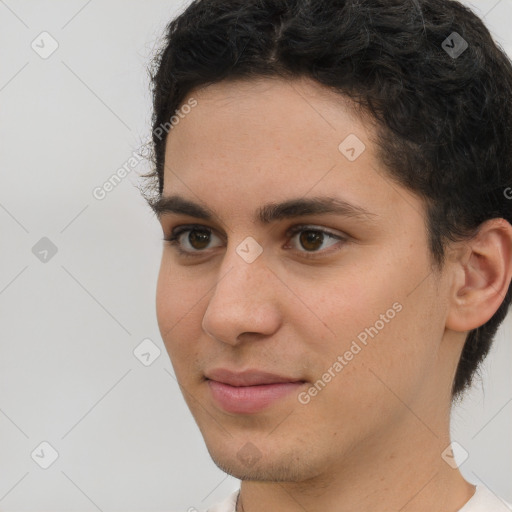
{"x": 444, "y": 119}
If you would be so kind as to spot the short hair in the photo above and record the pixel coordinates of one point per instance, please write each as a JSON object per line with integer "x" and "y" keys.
{"x": 427, "y": 71}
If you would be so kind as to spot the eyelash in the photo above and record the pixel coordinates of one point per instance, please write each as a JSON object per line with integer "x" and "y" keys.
{"x": 173, "y": 239}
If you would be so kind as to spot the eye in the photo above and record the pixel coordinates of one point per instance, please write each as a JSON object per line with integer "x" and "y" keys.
{"x": 193, "y": 240}
{"x": 197, "y": 240}
{"x": 312, "y": 239}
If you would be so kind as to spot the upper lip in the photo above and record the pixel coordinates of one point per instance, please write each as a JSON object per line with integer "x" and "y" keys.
{"x": 247, "y": 377}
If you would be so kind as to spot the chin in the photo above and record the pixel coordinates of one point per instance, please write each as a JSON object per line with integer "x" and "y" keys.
{"x": 249, "y": 463}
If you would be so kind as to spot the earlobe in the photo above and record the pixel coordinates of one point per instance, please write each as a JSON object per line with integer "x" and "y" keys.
{"x": 482, "y": 276}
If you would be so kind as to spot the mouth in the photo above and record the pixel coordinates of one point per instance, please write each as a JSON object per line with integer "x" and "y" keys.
{"x": 250, "y": 391}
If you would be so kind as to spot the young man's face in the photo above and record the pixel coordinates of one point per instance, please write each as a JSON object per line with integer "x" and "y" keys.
{"x": 358, "y": 323}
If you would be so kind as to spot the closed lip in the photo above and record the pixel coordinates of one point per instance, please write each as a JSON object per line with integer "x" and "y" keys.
{"x": 248, "y": 377}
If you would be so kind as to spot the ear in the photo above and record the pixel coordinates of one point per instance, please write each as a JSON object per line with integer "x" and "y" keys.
{"x": 482, "y": 275}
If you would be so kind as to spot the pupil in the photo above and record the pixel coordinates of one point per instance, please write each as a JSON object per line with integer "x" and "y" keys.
{"x": 310, "y": 240}
{"x": 311, "y": 237}
{"x": 199, "y": 237}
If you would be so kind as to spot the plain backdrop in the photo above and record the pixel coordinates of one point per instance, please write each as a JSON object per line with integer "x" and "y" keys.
{"x": 78, "y": 279}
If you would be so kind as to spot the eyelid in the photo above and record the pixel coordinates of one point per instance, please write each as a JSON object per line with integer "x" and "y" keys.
{"x": 312, "y": 227}
{"x": 179, "y": 230}
{"x": 183, "y": 228}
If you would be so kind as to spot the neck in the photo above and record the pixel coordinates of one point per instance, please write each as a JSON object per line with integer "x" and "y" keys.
{"x": 397, "y": 470}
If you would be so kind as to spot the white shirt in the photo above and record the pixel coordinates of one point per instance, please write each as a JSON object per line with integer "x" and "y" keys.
{"x": 482, "y": 501}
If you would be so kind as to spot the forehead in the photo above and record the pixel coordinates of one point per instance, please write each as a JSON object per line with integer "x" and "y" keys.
{"x": 254, "y": 142}
{"x": 302, "y": 89}
{"x": 278, "y": 102}
{"x": 264, "y": 124}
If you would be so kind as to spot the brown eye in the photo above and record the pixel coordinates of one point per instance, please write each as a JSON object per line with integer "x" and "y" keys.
{"x": 199, "y": 239}
{"x": 192, "y": 240}
{"x": 311, "y": 240}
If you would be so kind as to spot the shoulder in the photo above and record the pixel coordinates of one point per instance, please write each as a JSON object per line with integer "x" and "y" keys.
{"x": 227, "y": 505}
{"x": 485, "y": 500}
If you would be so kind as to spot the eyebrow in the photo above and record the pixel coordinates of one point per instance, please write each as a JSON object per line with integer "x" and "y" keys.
{"x": 267, "y": 213}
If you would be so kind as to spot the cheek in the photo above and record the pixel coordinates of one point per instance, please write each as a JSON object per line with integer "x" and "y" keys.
{"x": 375, "y": 376}
{"x": 372, "y": 315}
{"x": 181, "y": 299}
{"x": 165, "y": 298}
{"x": 176, "y": 292}
{"x": 398, "y": 355}
{"x": 346, "y": 300}
{"x": 176, "y": 304}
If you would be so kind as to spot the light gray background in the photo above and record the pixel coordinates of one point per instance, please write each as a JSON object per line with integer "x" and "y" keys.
{"x": 68, "y": 375}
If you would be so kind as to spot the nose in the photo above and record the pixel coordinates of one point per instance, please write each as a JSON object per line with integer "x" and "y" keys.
{"x": 244, "y": 301}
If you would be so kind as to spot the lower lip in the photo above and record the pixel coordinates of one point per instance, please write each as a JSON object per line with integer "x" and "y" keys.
{"x": 250, "y": 399}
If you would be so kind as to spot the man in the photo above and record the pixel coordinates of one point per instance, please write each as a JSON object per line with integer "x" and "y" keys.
{"x": 333, "y": 183}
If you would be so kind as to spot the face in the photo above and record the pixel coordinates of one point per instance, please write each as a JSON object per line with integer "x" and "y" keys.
{"x": 293, "y": 330}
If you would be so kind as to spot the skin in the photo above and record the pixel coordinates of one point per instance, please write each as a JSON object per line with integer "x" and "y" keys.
{"x": 372, "y": 438}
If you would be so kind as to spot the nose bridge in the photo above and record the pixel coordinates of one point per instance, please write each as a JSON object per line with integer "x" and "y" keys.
{"x": 242, "y": 300}
{"x": 245, "y": 267}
